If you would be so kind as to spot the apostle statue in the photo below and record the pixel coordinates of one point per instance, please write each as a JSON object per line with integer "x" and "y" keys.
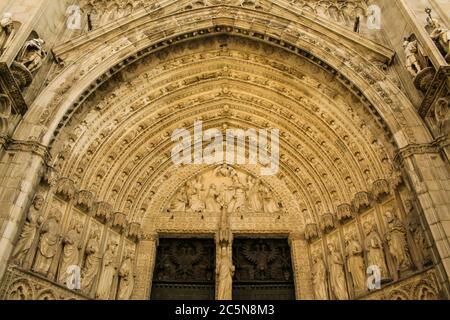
{"x": 355, "y": 263}
{"x": 7, "y": 31}
{"x": 48, "y": 244}
{"x": 337, "y": 273}
{"x": 32, "y": 54}
{"x": 92, "y": 263}
{"x": 373, "y": 245}
{"x": 319, "y": 277}
{"x": 417, "y": 233}
{"x": 71, "y": 252}
{"x": 126, "y": 277}
{"x": 254, "y": 199}
{"x": 108, "y": 272}
{"x": 238, "y": 199}
{"x": 225, "y": 275}
{"x": 22, "y": 254}
{"x": 412, "y": 56}
{"x": 396, "y": 237}
{"x": 211, "y": 201}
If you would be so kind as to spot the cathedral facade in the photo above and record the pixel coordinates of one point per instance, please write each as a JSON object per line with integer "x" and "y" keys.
{"x": 108, "y": 110}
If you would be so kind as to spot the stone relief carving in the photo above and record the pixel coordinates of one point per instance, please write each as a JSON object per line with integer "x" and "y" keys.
{"x": 92, "y": 263}
{"x": 440, "y": 35}
{"x": 412, "y": 56}
{"x": 108, "y": 272}
{"x": 126, "y": 277}
{"x": 355, "y": 263}
{"x": 319, "y": 277}
{"x": 71, "y": 245}
{"x": 22, "y": 254}
{"x": 374, "y": 249}
{"x": 48, "y": 245}
{"x": 338, "y": 282}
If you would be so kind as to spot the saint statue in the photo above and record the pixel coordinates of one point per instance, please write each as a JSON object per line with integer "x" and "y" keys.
{"x": 48, "y": 244}
{"x": 397, "y": 242}
{"x": 195, "y": 189}
{"x": 355, "y": 263}
{"x": 418, "y": 235}
{"x": 92, "y": 263}
{"x": 412, "y": 56}
{"x": 225, "y": 275}
{"x": 71, "y": 251}
{"x": 269, "y": 203}
{"x": 21, "y": 254}
{"x": 440, "y": 34}
{"x": 238, "y": 200}
{"x": 319, "y": 277}
{"x": 337, "y": 274}
{"x": 374, "y": 249}
{"x": 254, "y": 199}
{"x": 211, "y": 202}
{"x": 180, "y": 202}
{"x": 32, "y": 54}
{"x": 7, "y": 31}
{"x": 108, "y": 272}
{"x": 126, "y": 277}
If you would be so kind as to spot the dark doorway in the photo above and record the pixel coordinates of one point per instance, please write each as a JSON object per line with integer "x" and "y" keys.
{"x": 263, "y": 270}
{"x": 184, "y": 270}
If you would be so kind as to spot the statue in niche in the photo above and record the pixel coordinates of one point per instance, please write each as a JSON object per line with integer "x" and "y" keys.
{"x": 126, "y": 277}
{"x": 355, "y": 263}
{"x": 396, "y": 237}
{"x": 269, "y": 203}
{"x": 71, "y": 251}
{"x": 21, "y": 254}
{"x": 225, "y": 275}
{"x": 373, "y": 245}
{"x": 92, "y": 263}
{"x": 411, "y": 49}
{"x": 212, "y": 199}
{"x": 337, "y": 274}
{"x": 7, "y": 31}
{"x": 48, "y": 244}
{"x": 418, "y": 235}
{"x": 32, "y": 54}
{"x": 108, "y": 271}
{"x": 238, "y": 200}
{"x": 440, "y": 34}
{"x": 254, "y": 199}
{"x": 319, "y": 277}
{"x": 180, "y": 201}
{"x": 194, "y": 190}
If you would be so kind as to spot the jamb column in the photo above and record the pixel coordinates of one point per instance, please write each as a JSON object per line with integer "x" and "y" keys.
{"x": 300, "y": 266}
{"x": 145, "y": 266}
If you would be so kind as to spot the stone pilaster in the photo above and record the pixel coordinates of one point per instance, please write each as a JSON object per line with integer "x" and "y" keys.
{"x": 145, "y": 266}
{"x": 300, "y": 266}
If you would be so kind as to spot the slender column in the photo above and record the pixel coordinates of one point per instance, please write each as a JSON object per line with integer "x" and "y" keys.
{"x": 300, "y": 266}
{"x": 145, "y": 266}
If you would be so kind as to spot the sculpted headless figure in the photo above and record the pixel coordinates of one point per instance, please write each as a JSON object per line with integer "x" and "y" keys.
{"x": 397, "y": 242}
{"x": 355, "y": 263}
{"x": 126, "y": 277}
{"x": 107, "y": 273}
{"x": 337, "y": 275}
{"x": 48, "y": 244}
{"x": 29, "y": 232}
{"x": 374, "y": 249}
{"x": 71, "y": 252}
{"x": 319, "y": 277}
{"x": 92, "y": 263}
{"x": 225, "y": 276}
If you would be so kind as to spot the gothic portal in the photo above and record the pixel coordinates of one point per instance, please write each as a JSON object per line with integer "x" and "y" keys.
{"x": 356, "y": 202}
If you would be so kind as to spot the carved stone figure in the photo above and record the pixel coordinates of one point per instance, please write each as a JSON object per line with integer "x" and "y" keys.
{"x": 32, "y": 54}
{"x": 355, "y": 263}
{"x": 180, "y": 202}
{"x": 92, "y": 263}
{"x": 126, "y": 277}
{"x": 48, "y": 244}
{"x": 211, "y": 202}
{"x": 412, "y": 56}
{"x": 71, "y": 251}
{"x": 7, "y": 31}
{"x": 440, "y": 34}
{"x": 269, "y": 203}
{"x": 319, "y": 277}
{"x": 337, "y": 274}
{"x": 254, "y": 199}
{"x": 108, "y": 272}
{"x": 238, "y": 199}
{"x": 418, "y": 235}
{"x": 21, "y": 254}
{"x": 225, "y": 275}
{"x": 397, "y": 242}
{"x": 373, "y": 245}
{"x": 196, "y": 204}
